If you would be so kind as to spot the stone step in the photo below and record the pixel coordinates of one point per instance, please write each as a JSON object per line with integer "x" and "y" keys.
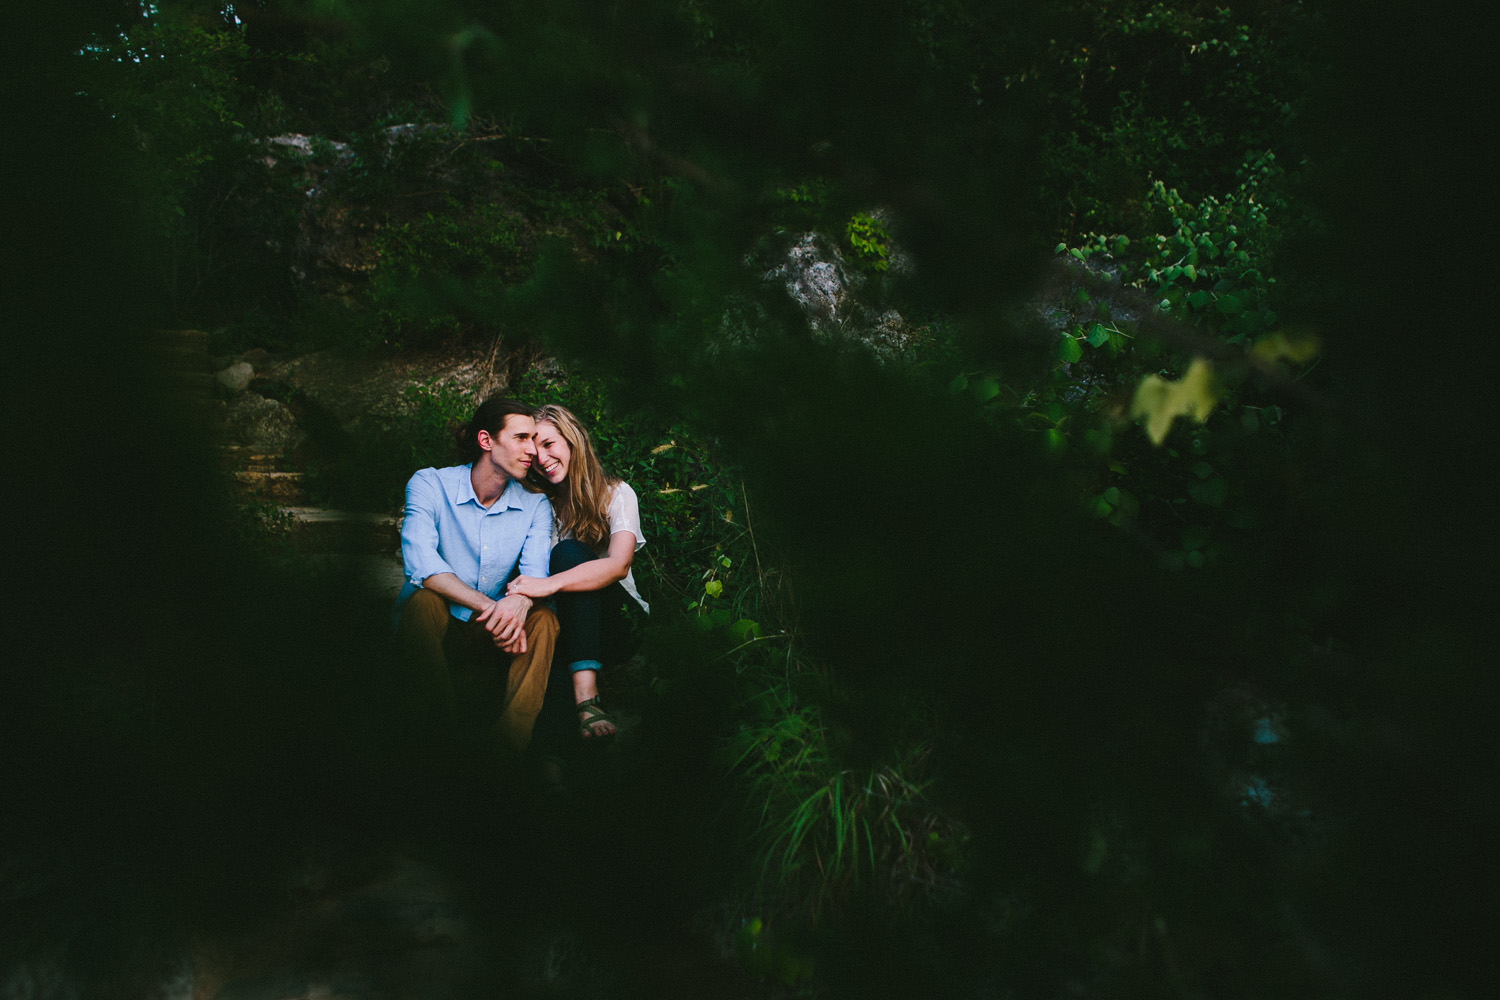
{"x": 187, "y": 384}
{"x": 243, "y": 458}
{"x": 169, "y": 358}
{"x": 285, "y": 488}
{"x": 378, "y": 576}
{"x": 321, "y": 529}
{"x": 193, "y": 341}
{"x": 195, "y": 412}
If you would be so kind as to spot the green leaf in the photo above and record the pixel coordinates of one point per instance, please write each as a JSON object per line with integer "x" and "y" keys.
{"x": 1210, "y": 492}
{"x": 1229, "y": 305}
{"x": 1098, "y": 850}
{"x": 1112, "y": 494}
{"x": 1194, "y": 537}
{"x": 984, "y": 390}
{"x": 713, "y": 588}
{"x": 1191, "y": 272}
{"x": 1199, "y": 299}
{"x": 1298, "y": 346}
{"x": 1202, "y": 470}
{"x": 959, "y": 384}
{"x": 1098, "y": 336}
{"x": 1160, "y": 402}
{"x": 1070, "y": 350}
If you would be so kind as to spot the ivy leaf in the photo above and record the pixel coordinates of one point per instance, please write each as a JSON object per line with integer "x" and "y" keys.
{"x": 1210, "y": 492}
{"x": 745, "y": 629}
{"x": 1297, "y": 346}
{"x": 1160, "y": 402}
{"x": 1194, "y": 537}
{"x": 984, "y": 390}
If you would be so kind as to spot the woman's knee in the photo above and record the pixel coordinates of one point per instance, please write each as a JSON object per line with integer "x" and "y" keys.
{"x": 568, "y": 553}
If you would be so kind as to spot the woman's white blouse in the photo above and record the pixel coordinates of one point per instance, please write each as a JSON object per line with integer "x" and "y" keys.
{"x": 624, "y": 515}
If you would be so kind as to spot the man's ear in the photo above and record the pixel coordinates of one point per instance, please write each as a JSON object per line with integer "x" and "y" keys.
{"x": 485, "y": 440}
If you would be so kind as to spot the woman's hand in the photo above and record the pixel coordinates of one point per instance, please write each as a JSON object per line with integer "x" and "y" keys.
{"x": 534, "y": 587}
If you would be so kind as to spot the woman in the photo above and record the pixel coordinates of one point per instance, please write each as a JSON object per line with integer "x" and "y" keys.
{"x": 598, "y": 527}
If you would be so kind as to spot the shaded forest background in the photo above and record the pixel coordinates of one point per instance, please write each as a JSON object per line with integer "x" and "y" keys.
{"x": 949, "y": 656}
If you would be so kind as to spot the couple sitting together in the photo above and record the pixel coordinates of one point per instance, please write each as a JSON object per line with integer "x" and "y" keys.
{"x": 531, "y": 518}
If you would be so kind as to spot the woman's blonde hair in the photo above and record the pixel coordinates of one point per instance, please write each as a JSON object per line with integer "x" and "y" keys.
{"x": 581, "y": 501}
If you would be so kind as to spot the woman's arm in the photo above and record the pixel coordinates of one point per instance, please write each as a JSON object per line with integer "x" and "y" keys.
{"x": 596, "y": 574}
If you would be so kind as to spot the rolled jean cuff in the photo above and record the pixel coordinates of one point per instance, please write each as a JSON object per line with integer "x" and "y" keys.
{"x": 578, "y": 665}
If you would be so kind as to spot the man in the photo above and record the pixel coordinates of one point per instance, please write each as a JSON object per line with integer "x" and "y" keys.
{"x": 468, "y": 530}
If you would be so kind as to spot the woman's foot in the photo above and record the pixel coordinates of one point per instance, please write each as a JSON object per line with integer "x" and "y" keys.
{"x": 593, "y": 721}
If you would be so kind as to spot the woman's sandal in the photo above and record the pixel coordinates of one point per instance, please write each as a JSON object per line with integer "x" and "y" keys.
{"x": 590, "y": 714}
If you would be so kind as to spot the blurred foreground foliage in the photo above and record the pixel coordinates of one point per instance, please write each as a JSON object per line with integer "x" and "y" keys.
{"x": 960, "y": 681}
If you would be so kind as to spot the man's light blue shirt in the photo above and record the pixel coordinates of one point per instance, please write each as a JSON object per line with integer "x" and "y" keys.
{"x": 447, "y": 531}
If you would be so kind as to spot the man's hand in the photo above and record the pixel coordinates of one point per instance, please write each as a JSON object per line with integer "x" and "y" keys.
{"x": 505, "y": 620}
{"x": 535, "y": 587}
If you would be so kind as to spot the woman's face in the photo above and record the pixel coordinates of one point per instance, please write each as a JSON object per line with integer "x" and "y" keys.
{"x": 552, "y": 452}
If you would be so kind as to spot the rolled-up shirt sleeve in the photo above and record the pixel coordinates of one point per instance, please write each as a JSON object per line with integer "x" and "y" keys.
{"x": 419, "y": 528}
{"x": 536, "y": 550}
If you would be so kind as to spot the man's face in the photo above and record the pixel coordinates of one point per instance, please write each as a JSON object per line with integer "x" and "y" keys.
{"x": 512, "y": 449}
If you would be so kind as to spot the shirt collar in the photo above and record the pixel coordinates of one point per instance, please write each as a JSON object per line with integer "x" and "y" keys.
{"x": 509, "y": 499}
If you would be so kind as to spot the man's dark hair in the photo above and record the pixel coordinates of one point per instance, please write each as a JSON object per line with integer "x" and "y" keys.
{"x": 490, "y": 416}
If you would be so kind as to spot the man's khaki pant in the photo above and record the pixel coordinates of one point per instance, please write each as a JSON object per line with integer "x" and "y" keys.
{"x": 435, "y": 642}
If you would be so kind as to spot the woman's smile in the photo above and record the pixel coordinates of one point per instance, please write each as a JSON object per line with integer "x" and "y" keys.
{"x": 552, "y": 452}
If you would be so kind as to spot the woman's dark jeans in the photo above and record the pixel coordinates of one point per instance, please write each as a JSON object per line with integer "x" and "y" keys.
{"x": 598, "y": 628}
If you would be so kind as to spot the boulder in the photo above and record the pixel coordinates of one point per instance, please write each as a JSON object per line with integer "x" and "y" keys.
{"x": 234, "y": 379}
{"x": 815, "y": 276}
{"x": 362, "y": 391}
{"x": 264, "y": 424}
{"x": 838, "y": 301}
